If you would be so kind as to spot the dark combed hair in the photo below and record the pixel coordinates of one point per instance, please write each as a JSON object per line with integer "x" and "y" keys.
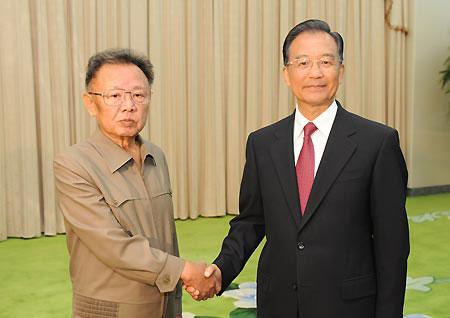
{"x": 118, "y": 56}
{"x": 312, "y": 26}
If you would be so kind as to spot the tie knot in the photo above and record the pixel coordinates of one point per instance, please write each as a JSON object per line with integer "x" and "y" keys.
{"x": 309, "y": 129}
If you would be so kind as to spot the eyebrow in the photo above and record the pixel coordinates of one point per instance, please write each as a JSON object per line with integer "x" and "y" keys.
{"x": 304, "y": 55}
{"x": 133, "y": 88}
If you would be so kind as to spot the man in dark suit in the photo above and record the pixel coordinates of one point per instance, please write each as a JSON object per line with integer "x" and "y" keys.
{"x": 327, "y": 189}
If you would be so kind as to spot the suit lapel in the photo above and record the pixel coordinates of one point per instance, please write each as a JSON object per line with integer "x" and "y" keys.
{"x": 282, "y": 152}
{"x": 338, "y": 151}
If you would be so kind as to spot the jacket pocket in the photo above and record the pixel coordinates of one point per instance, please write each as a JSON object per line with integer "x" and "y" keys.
{"x": 117, "y": 200}
{"x": 351, "y": 176}
{"x": 358, "y": 287}
{"x": 160, "y": 193}
{"x": 123, "y": 209}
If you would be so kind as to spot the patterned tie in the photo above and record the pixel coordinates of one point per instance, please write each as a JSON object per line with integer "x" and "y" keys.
{"x": 305, "y": 166}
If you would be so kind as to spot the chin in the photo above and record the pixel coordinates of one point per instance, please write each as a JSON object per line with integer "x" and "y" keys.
{"x": 316, "y": 103}
{"x": 318, "y": 99}
{"x": 128, "y": 133}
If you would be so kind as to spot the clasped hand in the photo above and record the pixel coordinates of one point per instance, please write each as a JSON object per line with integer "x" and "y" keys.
{"x": 201, "y": 281}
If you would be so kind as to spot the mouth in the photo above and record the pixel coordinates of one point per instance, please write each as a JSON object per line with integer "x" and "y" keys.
{"x": 127, "y": 122}
{"x": 316, "y": 86}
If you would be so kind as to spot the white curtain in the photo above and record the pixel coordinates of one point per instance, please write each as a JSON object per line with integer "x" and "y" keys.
{"x": 218, "y": 70}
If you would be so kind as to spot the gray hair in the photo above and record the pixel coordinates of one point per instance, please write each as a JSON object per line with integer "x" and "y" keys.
{"x": 312, "y": 26}
{"x": 118, "y": 56}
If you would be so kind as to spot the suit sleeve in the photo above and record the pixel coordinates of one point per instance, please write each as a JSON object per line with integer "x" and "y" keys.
{"x": 91, "y": 219}
{"x": 247, "y": 229}
{"x": 390, "y": 227}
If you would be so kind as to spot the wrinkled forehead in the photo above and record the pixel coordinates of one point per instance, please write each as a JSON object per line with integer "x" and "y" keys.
{"x": 313, "y": 43}
{"x": 126, "y": 76}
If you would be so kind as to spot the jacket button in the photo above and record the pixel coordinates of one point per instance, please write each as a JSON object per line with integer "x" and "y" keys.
{"x": 294, "y": 286}
{"x": 166, "y": 279}
{"x": 301, "y": 246}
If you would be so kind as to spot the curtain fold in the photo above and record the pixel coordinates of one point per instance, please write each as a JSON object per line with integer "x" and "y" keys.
{"x": 20, "y": 156}
{"x": 396, "y": 25}
{"x": 218, "y": 67}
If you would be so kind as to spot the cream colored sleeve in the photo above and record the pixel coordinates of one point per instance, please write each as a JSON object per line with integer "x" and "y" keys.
{"x": 90, "y": 217}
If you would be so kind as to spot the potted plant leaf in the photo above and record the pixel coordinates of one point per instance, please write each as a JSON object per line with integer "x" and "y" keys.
{"x": 445, "y": 80}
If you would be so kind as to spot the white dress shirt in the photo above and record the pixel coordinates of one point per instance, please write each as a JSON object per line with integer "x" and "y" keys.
{"x": 323, "y": 122}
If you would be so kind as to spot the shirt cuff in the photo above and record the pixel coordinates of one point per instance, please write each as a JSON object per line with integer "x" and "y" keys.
{"x": 170, "y": 275}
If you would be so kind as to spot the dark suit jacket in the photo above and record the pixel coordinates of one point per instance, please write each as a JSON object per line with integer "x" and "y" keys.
{"x": 346, "y": 257}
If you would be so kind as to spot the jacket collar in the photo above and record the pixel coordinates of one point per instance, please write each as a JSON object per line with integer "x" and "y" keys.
{"x": 114, "y": 155}
{"x": 337, "y": 152}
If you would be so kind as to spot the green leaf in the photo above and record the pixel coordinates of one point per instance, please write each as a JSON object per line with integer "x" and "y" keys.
{"x": 233, "y": 286}
{"x": 243, "y": 313}
{"x": 445, "y": 73}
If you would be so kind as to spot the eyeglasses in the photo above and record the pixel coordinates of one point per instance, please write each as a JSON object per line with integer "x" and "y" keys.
{"x": 116, "y": 97}
{"x": 306, "y": 63}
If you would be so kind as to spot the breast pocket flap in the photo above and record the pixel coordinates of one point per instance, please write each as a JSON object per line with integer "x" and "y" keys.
{"x": 118, "y": 199}
{"x": 350, "y": 175}
{"x": 161, "y": 193}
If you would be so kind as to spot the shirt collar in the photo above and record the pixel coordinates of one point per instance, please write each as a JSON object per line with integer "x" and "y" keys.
{"x": 323, "y": 122}
{"x": 114, "y": 155}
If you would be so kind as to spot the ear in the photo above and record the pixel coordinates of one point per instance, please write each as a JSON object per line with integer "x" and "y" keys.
{"x": 90, "y": 104}
{"x": 287, "y": 78}
{"x": 341, "y": 73}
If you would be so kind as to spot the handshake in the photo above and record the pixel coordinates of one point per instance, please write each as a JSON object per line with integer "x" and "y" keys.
{"x": 201, "y": 281}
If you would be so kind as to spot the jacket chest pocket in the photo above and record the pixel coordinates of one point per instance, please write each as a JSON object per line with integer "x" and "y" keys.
{"x": 162, "y": 207}
{"x": 160, "y": 197}
{"x": 119, "y": 200}
{"x": 125, "y": 208}
{"x": 351, "y": 175}
{"x": 160, "y": 192}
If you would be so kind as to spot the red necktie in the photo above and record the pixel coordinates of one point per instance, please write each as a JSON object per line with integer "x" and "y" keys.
{"x": 305, "y": 166}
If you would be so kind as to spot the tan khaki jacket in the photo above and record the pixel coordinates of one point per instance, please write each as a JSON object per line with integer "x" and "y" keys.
{"x": 120, "y": 227}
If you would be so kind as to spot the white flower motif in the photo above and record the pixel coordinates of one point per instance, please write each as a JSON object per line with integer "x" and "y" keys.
{"x": 187, "y": 315}
{"x": 245, "y": 295}
{"x": 416, "y": 316}
{"x": 419, "y": 283}
{"x": 429, "y": 216}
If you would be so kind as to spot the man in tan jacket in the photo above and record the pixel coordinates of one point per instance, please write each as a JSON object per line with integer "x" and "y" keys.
{"x": 114, "y": 191}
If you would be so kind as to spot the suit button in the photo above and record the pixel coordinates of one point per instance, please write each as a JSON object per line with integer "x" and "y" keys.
{"x": 301, "y": 246}
{"x": 166, "y": 279}
{"x": 294, "y": 286}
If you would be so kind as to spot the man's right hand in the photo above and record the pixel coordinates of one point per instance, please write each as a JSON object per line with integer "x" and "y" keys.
{"x": 196, "y": 283}
{"x": 210, "y": 272}
{"x": 214, "y": 271}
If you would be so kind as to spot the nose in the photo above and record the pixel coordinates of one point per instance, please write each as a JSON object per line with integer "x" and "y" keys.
{"x": 128, "y": 103}
{"x": 315, "y": 70}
